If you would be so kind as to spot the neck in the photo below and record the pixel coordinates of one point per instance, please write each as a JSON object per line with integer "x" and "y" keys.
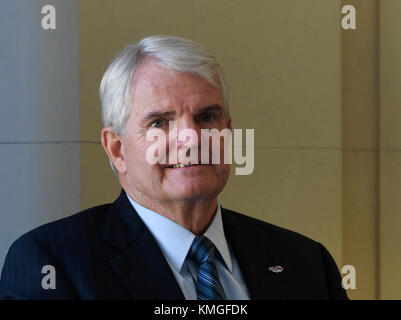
{"x": 194, "y": 215}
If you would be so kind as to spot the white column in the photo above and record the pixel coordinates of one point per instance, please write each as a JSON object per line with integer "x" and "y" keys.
{"x": 39, "y": 131}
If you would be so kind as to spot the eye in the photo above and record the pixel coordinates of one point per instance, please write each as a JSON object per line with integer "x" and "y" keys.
{"x": 158, "y": 123}
{"x": 207, "y": 117}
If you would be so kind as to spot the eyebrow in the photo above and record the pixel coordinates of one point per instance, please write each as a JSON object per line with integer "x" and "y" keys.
{"x": 159, "y": 114}
{"x": 214, "y": 107}
{"x": 155, "y": 115}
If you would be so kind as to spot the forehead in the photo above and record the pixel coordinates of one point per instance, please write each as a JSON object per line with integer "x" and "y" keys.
{"x": 156, "y": 85}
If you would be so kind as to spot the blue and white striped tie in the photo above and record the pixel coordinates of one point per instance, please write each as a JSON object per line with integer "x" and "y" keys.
{"x": 208, "y": 286}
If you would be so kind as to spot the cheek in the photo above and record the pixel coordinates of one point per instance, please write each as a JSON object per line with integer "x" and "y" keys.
{"x": 135, "y": 153}
{"x": 224, "y": 170}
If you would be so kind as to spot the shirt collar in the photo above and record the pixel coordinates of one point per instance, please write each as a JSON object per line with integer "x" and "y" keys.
{"x": 175, "y": 240}
{"x": 215, "y": 233}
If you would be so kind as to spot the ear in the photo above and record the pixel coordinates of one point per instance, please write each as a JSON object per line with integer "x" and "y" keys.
{"x": 112, "y": 144}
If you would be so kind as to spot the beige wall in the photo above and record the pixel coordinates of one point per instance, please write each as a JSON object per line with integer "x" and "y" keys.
{"x": 310, "y": 91}
{"x": 371, "y": 74}
{"x": 390, "y": 147}
{"x": 360, "y": 114}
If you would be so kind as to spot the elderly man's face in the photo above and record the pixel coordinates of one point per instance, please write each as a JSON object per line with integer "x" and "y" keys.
{"x": 159, "y": 96}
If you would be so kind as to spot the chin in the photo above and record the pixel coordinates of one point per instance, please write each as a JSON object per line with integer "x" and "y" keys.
{"x": 195, "y": 193}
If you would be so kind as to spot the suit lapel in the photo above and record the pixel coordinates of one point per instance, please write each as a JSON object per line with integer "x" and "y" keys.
{"x": 144, "y": 272}
{"x": 255, "y": 253}
{"x": 140, "y": 264}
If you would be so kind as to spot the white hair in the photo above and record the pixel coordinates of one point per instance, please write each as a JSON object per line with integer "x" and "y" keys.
{"x": 171, "y": 52}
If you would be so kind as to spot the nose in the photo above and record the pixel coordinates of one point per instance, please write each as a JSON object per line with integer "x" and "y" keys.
{"x": 187, "y": 139}
{"x": 188, "y": 132}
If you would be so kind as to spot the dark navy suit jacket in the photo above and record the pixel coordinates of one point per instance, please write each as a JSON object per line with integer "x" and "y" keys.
{"x": 107, "y": 252}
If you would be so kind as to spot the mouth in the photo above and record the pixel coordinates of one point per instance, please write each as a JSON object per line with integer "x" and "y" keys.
{"x": 181, "y": 165}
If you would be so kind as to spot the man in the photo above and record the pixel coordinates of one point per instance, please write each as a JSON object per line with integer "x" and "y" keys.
{"x": 166, "y": 236}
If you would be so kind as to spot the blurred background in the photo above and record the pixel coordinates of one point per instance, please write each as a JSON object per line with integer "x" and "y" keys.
{"x": 324, "y": 103}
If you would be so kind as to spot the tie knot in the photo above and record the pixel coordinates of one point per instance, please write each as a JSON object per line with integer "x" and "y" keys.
{"x": 202, "y": 250}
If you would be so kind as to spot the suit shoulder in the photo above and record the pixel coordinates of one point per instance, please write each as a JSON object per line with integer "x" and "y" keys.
{"x": 310, "y": 262}
{"x": 70, "y": 226}
{"x": 273, "y": 232}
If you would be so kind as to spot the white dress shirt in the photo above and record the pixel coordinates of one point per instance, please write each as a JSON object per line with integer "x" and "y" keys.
{"x": 174, "y": 241}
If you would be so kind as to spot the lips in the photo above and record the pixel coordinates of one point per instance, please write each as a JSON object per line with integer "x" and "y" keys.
{"x": 181, "y": 165}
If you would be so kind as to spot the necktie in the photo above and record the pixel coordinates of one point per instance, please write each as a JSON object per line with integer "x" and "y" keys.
{"x": 208, "y": 286}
